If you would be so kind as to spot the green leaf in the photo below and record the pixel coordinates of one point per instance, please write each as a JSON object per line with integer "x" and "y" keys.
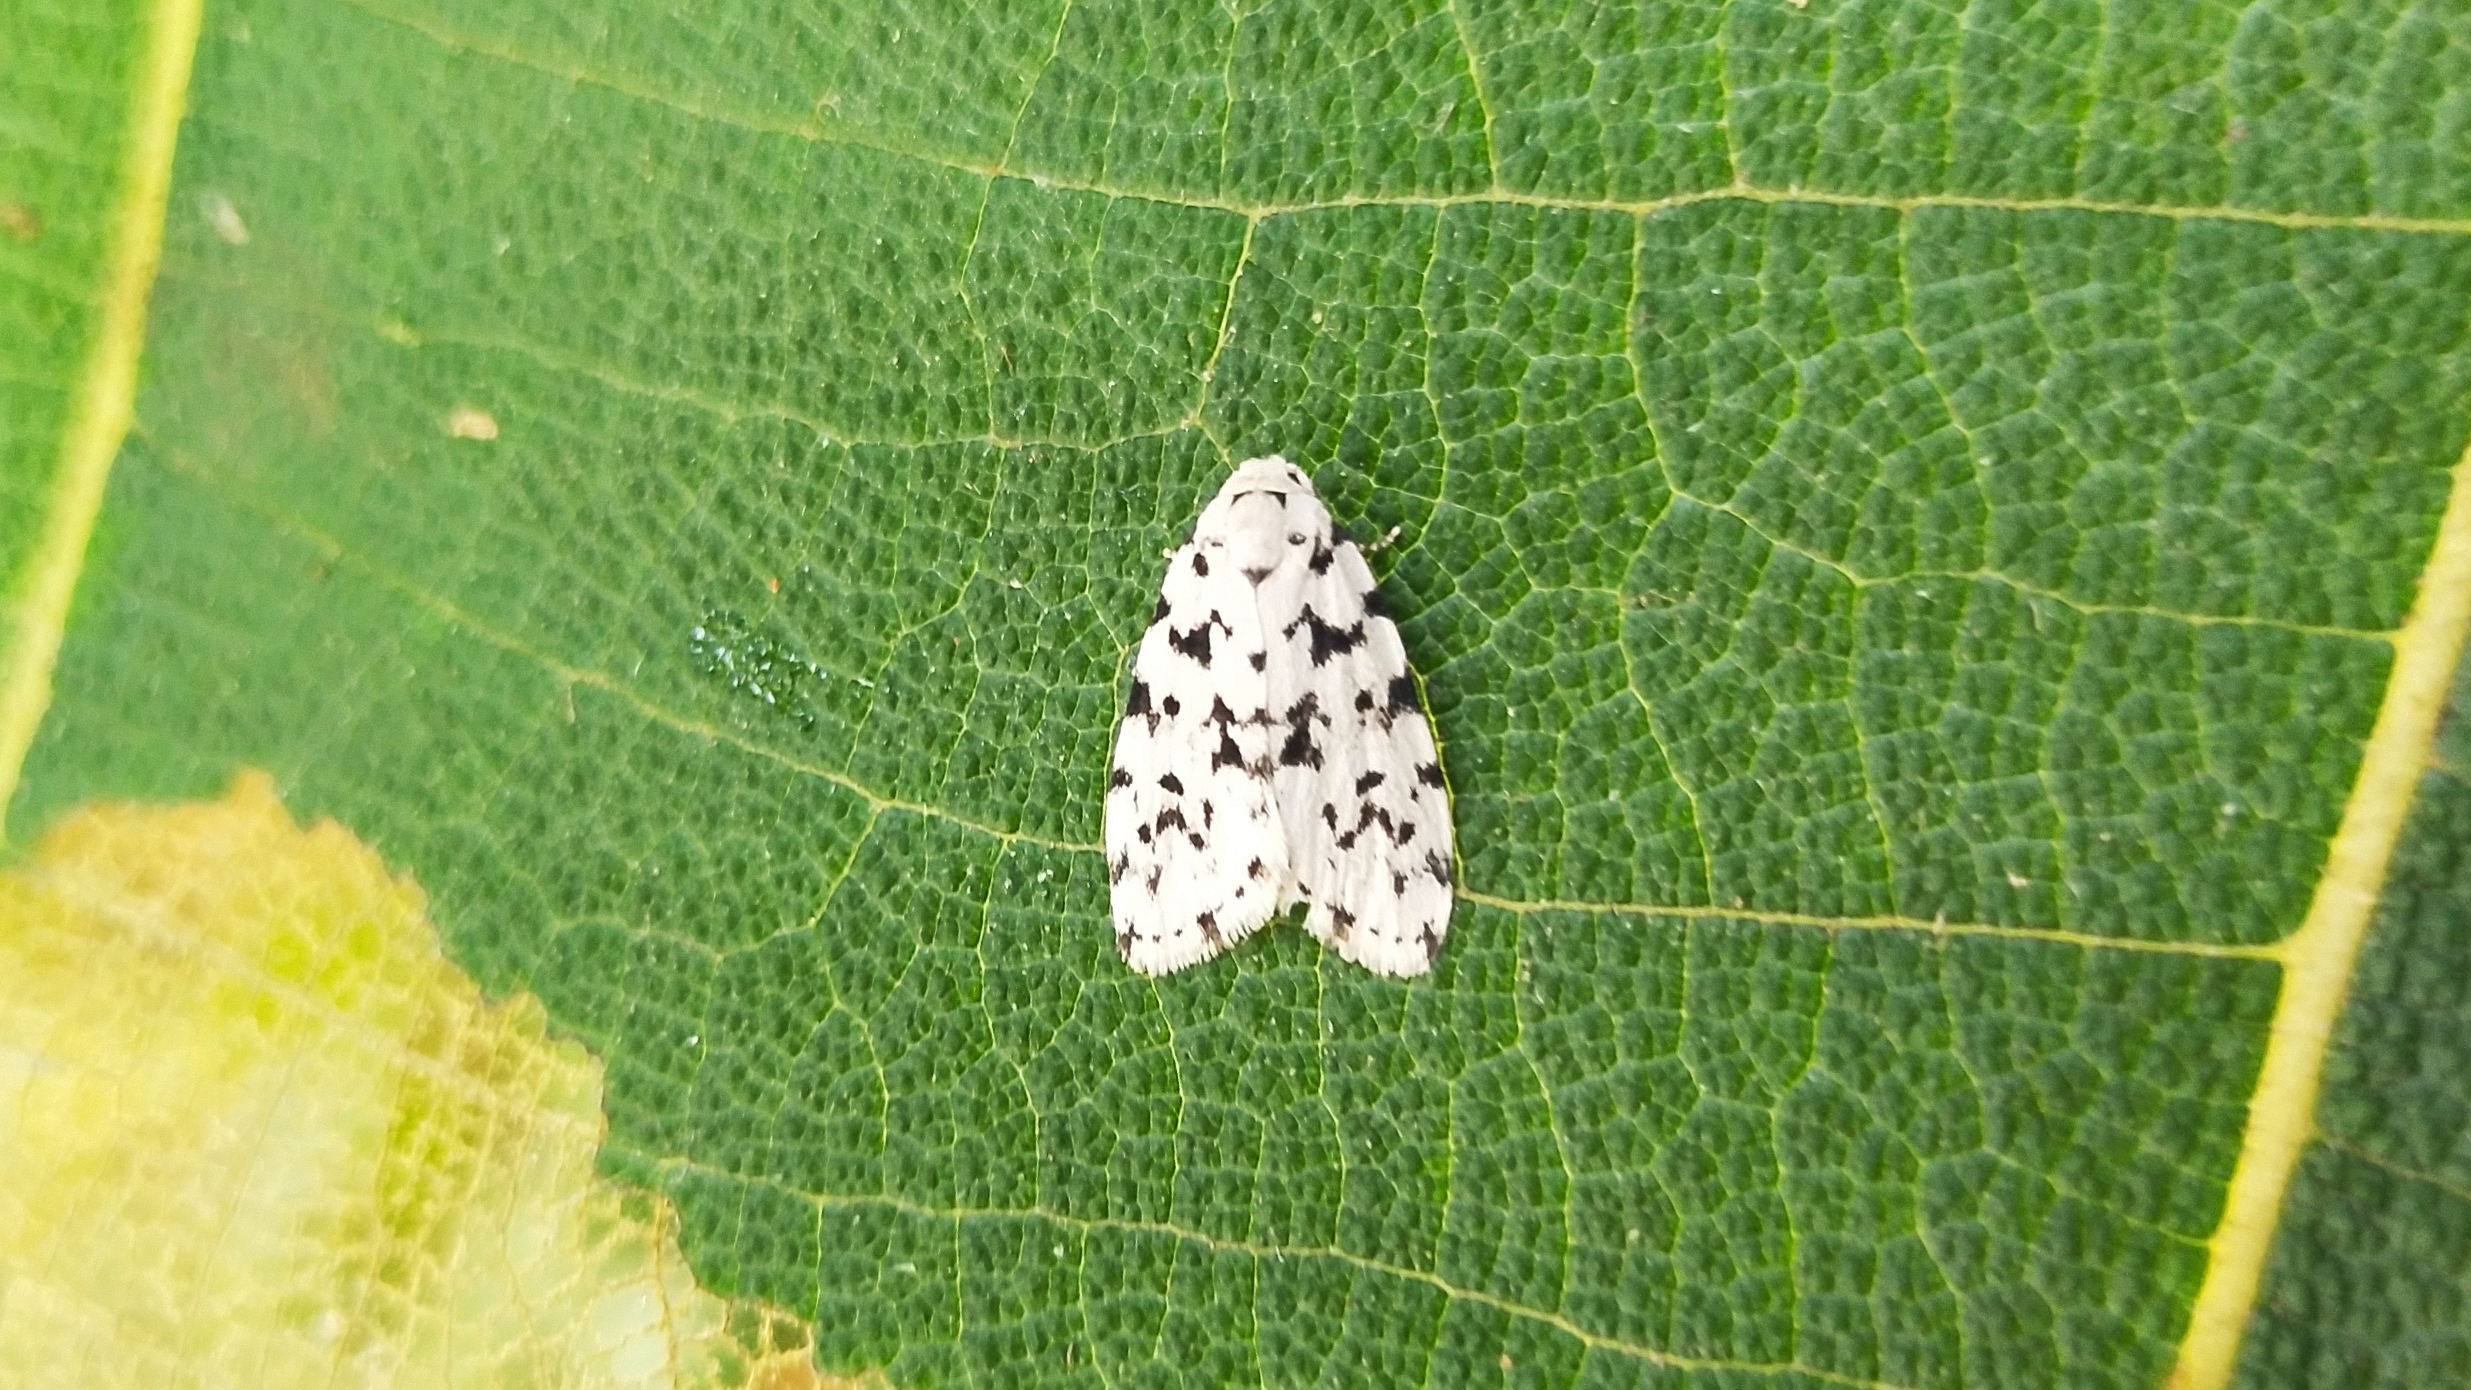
{"x": 1912, "y": 523}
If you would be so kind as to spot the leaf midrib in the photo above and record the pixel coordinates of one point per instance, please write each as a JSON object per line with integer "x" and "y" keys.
{"x": 104, "y": 390}
{"x": 2318, "y": 958}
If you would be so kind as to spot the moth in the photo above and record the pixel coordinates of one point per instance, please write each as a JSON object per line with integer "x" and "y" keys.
{"x": 1273, "y": 749}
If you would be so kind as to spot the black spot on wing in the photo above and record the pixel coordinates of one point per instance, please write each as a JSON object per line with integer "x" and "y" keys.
{"x": 1371, "y": 600}
{"x": 1219, "y": 713}
{"x": 1119, "y": 778}
{"x": 1159, "y": 613}
{"x": 1139, "y": 703}
{"x": 1228, "y": 755}
{"x": 1430, "y": 775}
{"x": 1366, "y": 816}
{"x": 1171, "y": 706}
{"x": 1300, "y": 750}
{"x": 1322, "y": 556}
{"x": 1403, "y": 696}
{"x": 1194, "y": 644}
{"x": 1201, "y": 566}
{"x": 1328, "y": 640}
{"x": 1170, "y": 782}
{"x": 1171, "y": 819}
{"x": 1364, "y": 699}
{"x": 1403, "y": 832}
{"x": 1259, "y": 660}
{"x": 1208, "y": 922}
{"x": 1369, "y": 781}
{"x": 1432, "y": 942}
{"x": 1118, "y": 867}
{"x": 1256, "y": 869}
{"x": 1342, "y": 922}
{"x": 1437, "y": 866}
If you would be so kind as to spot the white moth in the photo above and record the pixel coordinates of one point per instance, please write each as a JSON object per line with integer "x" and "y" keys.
{"x": 1273, "y": 750}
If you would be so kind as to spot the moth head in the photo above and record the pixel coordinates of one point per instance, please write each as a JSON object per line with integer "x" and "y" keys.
{"x": 1264, "y": 518}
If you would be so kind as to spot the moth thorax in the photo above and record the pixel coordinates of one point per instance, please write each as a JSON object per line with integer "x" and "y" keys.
{"x": 1258, "y": 532}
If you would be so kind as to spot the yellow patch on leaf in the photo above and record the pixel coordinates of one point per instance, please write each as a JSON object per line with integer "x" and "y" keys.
{"x": 259, "y": 1131}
